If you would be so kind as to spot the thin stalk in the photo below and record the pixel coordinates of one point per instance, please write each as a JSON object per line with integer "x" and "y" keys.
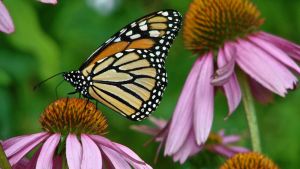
{"x": 250, "y": 113}
{"x": 64, "y": 161}
{"x": 4, "y": 163}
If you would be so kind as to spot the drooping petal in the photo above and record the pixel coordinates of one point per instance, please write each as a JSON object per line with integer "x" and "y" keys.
{"x": 160, "y": 123}
{"x": 275, "y": 52}
{"x": 230, "y": 139}
{"x": 260, "y": 93}
{"x": 181, "y": 122}
{"x": 226, "y": 68}
{"x": 264, "y": 68}
{"x": 17, "y": 148}
{"x": 290, "y": 48}
{"x": 6, "y": 23}
{"x": 231, "y": 88}
{"x": 15, "y": 144}
{"x": 223, "y": 150}
{"x": 49, "y": 1}
{"x": 102, "y": 141}
{"x": 189, "y": 148}
{"x": 114, "y": 158}
{"x": 45, "y": 159}
{"x": 134, "y": 156}
{"x": 203, "y": 101}
{"x": 73, "y": 152}
{"x": 91, "y": 156}
{"x": 145, "y": 129}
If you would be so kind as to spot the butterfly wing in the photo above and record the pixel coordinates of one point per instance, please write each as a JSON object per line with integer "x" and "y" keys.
{"x": 154, "y": 32}
{"x": 127, "y": 71}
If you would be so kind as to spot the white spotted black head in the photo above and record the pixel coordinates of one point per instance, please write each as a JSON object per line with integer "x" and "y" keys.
{"x": 80, "y": 82}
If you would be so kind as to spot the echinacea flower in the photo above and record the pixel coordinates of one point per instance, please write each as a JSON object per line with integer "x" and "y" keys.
{"x": 218, "y": 143}
{"x": 73, "y": 131}
{"x": 226, "y": 33}
{"x": 6, "y": 23}
{"x": 250, "y": 160}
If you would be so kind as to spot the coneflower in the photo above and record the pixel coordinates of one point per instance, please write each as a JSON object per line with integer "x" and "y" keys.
{"x": 74, "y": 137}
{"x": 250, "y": 62}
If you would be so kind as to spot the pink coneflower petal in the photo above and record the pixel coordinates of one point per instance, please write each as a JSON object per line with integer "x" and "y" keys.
{"x": 222, "y": 150}
{"x": 158, "y": 122}
{"x": 17, "y": 148}
{"x": 45, "y": 159}
{"x": 91, "y": 156}
{"x": 290, "y": 48}
{"x": 230, "y": 139}
{"x": 204, "y": 101}
{"x": 105, "y": 142}
{"x": 6, "y": 23}
{"x": 49, "y": 1}
{"x": 188, "y": 149}
{"x": 275, "y": 52}
{"x": 20, "y": 142}
{"x": 231, "y": 88}
{"x": 134, "y": 156}
{"x": 73, "y": 152}
{"x": 238, "y": 149}
{"x": 145, "y": 129}
{"x": 182, "y": 116}
{"x": 260, "y": 93}
{"x": 264, "y": 68}
{"x": 115, "y": 159}
{"x": 226, "y": 68}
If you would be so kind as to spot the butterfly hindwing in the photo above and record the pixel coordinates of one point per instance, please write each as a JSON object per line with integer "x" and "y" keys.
{"x": 131, "y": 84}
{"x": 127, "y": 73}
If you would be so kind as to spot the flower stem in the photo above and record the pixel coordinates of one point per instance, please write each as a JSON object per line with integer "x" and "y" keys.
{"x": 4, "y": 163}
{"x": 64, "y": 162}
{"x": 250, "y": 113}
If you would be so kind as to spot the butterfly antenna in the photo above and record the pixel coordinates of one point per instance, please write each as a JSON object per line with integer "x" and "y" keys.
{"x": 42, "y": 82}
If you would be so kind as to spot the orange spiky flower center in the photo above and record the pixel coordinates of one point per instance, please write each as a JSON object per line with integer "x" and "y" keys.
{"x": 73, "y": 115}
{"x": 249, "y": 160}
{"x": 210, "y": 23}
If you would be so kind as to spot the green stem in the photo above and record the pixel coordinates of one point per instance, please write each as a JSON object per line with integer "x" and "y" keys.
{"x": 4, "y": 163}
{"x": 250, "y": 113}
{"x": 64, "y": 162}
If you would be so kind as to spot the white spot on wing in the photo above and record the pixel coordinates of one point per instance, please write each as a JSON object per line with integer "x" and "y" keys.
{"x": 154, "y": 33}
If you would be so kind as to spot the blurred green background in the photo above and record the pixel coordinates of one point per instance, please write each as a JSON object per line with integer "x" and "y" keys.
{"x": 51, "y": 39}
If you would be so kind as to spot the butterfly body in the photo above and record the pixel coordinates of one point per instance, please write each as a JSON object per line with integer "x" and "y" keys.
{"x": 127, "y": 73}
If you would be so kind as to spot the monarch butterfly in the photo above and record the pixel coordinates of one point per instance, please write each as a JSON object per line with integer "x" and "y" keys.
{"x": 127, "y": 72}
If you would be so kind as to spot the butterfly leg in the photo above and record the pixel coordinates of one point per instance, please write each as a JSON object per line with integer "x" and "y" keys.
{"x": 71, "y": 93}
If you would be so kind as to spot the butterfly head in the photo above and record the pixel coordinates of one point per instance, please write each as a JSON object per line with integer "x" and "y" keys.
{"x": 78, "y": 81}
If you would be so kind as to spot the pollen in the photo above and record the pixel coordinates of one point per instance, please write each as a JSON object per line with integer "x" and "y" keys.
{"x": 210, "y": 23}
{"x": 73, "y": 115}
{"x": 249, "y": 160}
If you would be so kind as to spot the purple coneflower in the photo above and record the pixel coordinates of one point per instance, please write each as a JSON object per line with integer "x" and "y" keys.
{"x": 217, "y": 143}
{"x": 6, "y": 23}
{"x": 73, "y": 135}
{"x": 249, "y": 62}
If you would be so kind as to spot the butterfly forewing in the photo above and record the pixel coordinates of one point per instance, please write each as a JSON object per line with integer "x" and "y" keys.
{"x": 154, "y": 32}
{"x": 127, "y": 73}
